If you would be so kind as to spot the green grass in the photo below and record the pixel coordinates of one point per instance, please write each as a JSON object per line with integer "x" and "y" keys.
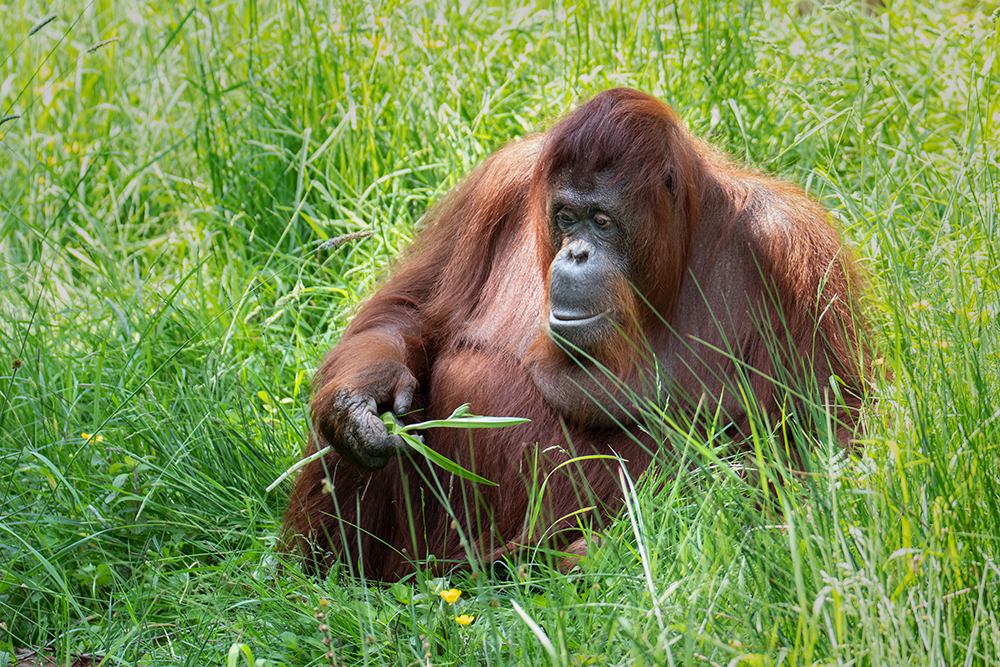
{"x": 164, "y": 192}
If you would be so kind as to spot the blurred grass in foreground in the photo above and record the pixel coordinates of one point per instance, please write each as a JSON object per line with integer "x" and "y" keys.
{"x": 168, "y": 175}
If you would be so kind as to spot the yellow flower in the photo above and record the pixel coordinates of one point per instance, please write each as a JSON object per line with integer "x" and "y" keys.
{"x": 464, "y": 619}
{"x": 450, "y": 596}
{"x": 89, "y": 437}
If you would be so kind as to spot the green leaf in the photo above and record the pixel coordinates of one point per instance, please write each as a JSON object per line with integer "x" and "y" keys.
{"x": 472, "y": 421}
{"x": 234, "y": 655}
{"x": 460, "y": 418}
{"x": 443, "y": 461}
{"x": 403, "y": 593}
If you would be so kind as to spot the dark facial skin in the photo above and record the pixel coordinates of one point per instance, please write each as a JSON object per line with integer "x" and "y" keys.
{"x": 591, "y": 224}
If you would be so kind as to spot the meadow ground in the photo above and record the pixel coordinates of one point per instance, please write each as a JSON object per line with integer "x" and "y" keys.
{"x": 168, "y": 174}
